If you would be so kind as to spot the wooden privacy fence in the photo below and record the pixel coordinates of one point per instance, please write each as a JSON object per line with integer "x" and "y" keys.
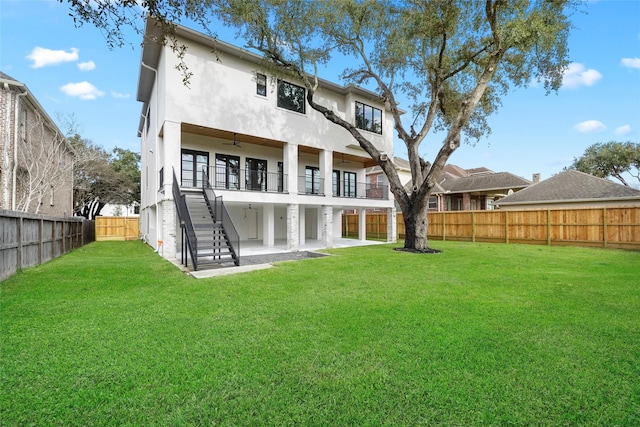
{"x": 376, "y": 225}
{"x": 27, "y": 240}
{"x": 117, "y": 228}
{"x": 615, "y": 227}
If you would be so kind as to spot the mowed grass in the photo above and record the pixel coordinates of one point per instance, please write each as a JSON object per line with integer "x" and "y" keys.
{"x": 481, "y": 334}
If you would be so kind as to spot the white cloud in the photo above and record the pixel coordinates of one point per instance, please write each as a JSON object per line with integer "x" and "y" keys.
{"x": 623, "y": 130}
{"x": 42, "y": 57}
{"x": 577, "y": 75}
{"x": 590, "y": 126}
{"x": 119, "y": 95}
{"x": 630, "y": 62}
{"x": 83, "y": 90}
{"x": 86, "y": 66}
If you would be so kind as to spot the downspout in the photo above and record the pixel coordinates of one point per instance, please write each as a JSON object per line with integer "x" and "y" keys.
{"x": 155, "y": 154}
{"x": 15, "y": 149}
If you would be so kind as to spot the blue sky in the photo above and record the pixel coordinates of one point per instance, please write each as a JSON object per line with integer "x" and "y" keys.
{"x": 71, "y": 71}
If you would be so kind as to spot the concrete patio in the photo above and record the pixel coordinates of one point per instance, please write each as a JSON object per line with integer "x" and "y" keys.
{"x": 255, "y": 256}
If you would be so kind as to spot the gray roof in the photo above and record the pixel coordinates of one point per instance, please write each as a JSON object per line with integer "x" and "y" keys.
{"x": 571, "y": 185}
{"x": 4, "y": 76}
{"x": 483, "y": 182}
{"x": 7, "y": 79}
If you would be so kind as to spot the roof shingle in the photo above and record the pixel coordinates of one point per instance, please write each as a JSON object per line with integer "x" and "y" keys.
{"x": 571, "y": 185}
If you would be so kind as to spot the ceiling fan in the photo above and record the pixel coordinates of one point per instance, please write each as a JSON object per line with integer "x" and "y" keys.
{"x": 235, "y": 142}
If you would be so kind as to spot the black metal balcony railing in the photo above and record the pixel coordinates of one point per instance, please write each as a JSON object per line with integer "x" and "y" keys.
{"x": 362, "y": 190}
{"x": 311, "y": 185}
{"x": 222, "y": 178}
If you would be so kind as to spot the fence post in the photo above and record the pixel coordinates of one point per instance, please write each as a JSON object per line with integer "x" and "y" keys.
{"x": 40, "y": 239}
{"x": 605, "y": 241}
{"x": 548, "y": 227}
{"x": 506, "y": 226}
{"x": 444, "y": 219}
{"x": 473, "y": 226}
{"x": 19, "y": 236}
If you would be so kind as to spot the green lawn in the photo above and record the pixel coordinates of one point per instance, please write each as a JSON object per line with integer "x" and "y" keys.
{"x": 481, "y": 334}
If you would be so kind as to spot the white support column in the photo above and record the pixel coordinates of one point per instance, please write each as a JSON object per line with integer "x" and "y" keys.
{"x": 362, "y": 224}
{"x": 392, "y": 232}
{"x": 320, "y": 223}
{"x": 326, "y": 172}
{"x": 167, "y": 229}
{"x": 337, "y": 223}
{"x": 327, "y": 226}
{"x": 302, "y": 214}
{"x": 293, "y": 232}
{"x": 172, "y": 145}
{"x": 290, "y": 160}
{"x": 268, "y": 226}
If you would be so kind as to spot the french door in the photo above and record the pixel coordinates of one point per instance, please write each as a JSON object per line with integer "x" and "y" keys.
{"x": 193, "y": 163}
{"x": 227, "y": 172}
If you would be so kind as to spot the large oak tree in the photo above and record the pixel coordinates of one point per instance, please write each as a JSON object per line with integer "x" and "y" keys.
{"x": 452, "y": 59}
{"x": 610, "y": 159}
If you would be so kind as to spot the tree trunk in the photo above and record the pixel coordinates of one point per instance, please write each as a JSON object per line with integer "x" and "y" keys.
{"x": 415, "y": 226}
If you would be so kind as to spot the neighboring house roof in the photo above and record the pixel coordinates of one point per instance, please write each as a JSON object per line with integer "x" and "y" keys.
{"x": 400, "y": 164}
{"x": 571, "y": 186}
{"x": 455, "y": 179}
{"x": 7, "y": 79}
{"x": 484, "y": 181}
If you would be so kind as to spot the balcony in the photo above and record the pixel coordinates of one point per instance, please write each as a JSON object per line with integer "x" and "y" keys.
{"x": 244, "y": 180}
{"x": 362, "y": 190}
{"x": 276, "y": 182}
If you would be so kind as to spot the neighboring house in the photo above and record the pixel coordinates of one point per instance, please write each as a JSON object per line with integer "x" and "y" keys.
{"x": 283, "y": 171}
{"x": 474, "y": 189}
{"x": 459, "y": 189}
{"x": 120, "y": 210}
{"x": 377, "y": 178}
{"x": 571, "y": 189}
{"x": 36, "y": 167}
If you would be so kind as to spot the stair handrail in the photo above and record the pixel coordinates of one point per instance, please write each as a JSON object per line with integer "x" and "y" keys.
{"x": 185, "y": 221}
{"x": 221, "y": 214}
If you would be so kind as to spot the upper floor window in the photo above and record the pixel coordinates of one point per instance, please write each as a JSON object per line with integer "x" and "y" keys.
{"x": 349, "y": 184}
{"x": 368, "y": 118}
{"x": 194, "y": 166}
{"x": 261, "y": 84}
{"x": 291, "y": 97}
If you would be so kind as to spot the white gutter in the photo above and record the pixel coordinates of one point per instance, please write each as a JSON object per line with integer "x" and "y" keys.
{"x": 159, "y": 229}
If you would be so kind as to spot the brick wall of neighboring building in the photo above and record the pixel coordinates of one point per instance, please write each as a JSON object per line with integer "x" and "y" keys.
{"x": 43, "y": 154}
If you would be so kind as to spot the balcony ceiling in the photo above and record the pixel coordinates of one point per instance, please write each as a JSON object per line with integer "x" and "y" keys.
{"x": 338, "y": 157}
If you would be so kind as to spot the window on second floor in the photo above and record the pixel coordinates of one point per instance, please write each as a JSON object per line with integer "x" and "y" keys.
{"x": 194, "y": 165}
{"x": 349, "y": 184}
{"x": 336, "y": 183}
{"x": 261, "y": 84}
{"x": 291, "y": 97}
{"x": 312, "y": 180}
{"x": 368, "y": 118}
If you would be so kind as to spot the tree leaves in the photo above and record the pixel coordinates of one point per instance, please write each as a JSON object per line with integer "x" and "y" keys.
{"x": 610, "y": 159}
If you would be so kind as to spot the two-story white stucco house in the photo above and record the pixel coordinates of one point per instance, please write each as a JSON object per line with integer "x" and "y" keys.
{"x": 245, "y": 146}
